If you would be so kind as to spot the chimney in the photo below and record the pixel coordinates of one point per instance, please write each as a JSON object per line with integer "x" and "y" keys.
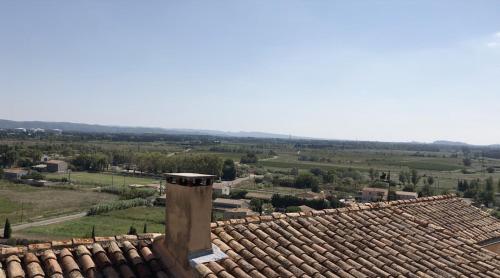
{"x": 188, "y": 215}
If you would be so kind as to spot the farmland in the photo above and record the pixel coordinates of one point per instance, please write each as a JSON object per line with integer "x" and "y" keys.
{"x": 24, "y": 203}
{"x": 341, "y": 168}
{"x": 108, "y": 224}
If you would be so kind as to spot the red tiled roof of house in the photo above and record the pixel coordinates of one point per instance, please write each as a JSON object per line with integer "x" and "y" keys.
{"x": 454, "y": 214}
{"x": 368, "y": 240}
{"x": 123, "y": 256}
{"x": 389, "y": 239}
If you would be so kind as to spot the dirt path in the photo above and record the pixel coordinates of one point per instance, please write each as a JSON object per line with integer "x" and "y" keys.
{"x": 269, "y": 158}
{"x": 47, "y": 221}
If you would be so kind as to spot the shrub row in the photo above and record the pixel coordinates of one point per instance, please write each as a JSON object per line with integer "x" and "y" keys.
{"x": 117, "y": 205}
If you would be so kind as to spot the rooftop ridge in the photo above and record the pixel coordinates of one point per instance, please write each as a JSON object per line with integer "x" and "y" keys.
{"x": 72, "y": 243}
{"x": 350, "y": 208}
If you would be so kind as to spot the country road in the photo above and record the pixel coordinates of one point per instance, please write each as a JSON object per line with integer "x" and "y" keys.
{"x": 47, "y": 221}
{"x": 238, "y": 180}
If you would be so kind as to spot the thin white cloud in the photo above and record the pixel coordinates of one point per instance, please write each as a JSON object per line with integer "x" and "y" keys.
{"x": 493, "y": 44}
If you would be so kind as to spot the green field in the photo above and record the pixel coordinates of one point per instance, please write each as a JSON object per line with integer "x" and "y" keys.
{"x": 27, "y": 203}
{"x": 101, "y": 179}
{"x": 109, "y": 224}
{"x": 276, "y": 160}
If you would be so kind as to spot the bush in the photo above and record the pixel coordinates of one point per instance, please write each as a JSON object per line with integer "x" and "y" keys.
{"x": 293, "y": 209}
{"x": 238, "y": 194}
{"x": 126, "y": 193}
{"x": 116, "y": 205}
{"x": 306, "y": 181}
{"x": 490, "y": 169}
{"x": 33, "y": 175}
{"x": 249, "y": 158}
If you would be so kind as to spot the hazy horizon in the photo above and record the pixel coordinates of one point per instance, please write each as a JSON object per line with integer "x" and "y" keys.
{"x": 376, "y": 71}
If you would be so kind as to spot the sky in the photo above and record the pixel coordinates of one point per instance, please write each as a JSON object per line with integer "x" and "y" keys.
{"x": 362, "y": 70}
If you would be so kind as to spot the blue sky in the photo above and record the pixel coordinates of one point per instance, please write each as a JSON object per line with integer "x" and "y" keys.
{"x": 364, "y": 70}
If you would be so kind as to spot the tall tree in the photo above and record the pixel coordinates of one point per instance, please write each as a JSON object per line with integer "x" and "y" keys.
{"x": 7, "y": 229}
{"x": 414, "y": 176}
{"x": 132, "y": 231}
{"x": 228, "y": 170}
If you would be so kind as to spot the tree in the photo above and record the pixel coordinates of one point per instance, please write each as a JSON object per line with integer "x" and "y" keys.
{"x": 426, "y": 190}
{"x": 7, "y": 229}
{"x": 316, "y": 171}
{"x": 306, "y": 180}
{"x": 414, "y": 176}
{"x": 294, "y": 171}
{"x": 315, "y": 187}
{"x": 487, "y": 196}
{"x": 256, "y": 205}
{"x": 373, "y": 174}
{"x": 430, "y": 180}
{"x": 249, "y": 158}
{"x": 490, "y": 169}
{"x": 462, "y": 185}
{"x": 467, "y": 161}
{"x": 229, "y": 170}
{"x": 145, "y": 228}
{"x": 404, "y": 177}
{"x": 93, "y": 231}
{"x": 132, "y": 231}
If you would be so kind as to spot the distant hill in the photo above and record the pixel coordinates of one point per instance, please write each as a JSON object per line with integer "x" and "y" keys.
{"x": 449, "y": 143}
{"x": 81, "y": 127}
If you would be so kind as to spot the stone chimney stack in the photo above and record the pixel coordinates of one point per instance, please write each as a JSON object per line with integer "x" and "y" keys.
{"x": 188, "y": 215}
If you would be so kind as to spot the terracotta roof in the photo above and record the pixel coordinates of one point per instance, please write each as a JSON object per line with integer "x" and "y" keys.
{"x": 375, "y": 189}
{"x": 123, "y": 256}
{"x": 15, "y": 171}
{"x": 454, "y": 214}
{"x": 407, "y": 193}
{"x": 376, "y": 240}
{"x": 54, "y": 161}
{"x": 400, "y": 238}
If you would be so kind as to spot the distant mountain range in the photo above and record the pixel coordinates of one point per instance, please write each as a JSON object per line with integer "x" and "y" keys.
{"x": 449, "y": 143}
{"x": 80, "y": 127}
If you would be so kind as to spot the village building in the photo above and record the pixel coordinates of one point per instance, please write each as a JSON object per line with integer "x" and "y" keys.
{"x": 309, "y": 195}
{"x": 404, "y": 195}
{"x": 39, "y": 167}
{"x": 238, "y": 213}
{"x": 221, "y": 189}
{"x": 14, "y": 174}
{"x": 223, "y": 203}
{"x": 45, "y": 158}
{"x": 372, "y": 194}
{"x": 305, "y": 208}
{"x": 440, "y": 236}
{"x": 57, "y": 166}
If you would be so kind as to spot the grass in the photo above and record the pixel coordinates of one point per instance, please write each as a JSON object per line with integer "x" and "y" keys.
{"x": 109, "y": 224}
{"x": 27, "y": 203}
{"x": 101, "y": 179}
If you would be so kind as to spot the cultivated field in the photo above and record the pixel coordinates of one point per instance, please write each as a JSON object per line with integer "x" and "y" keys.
{"x": 24, "y": 203}
{"x": 108, "y": 224}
